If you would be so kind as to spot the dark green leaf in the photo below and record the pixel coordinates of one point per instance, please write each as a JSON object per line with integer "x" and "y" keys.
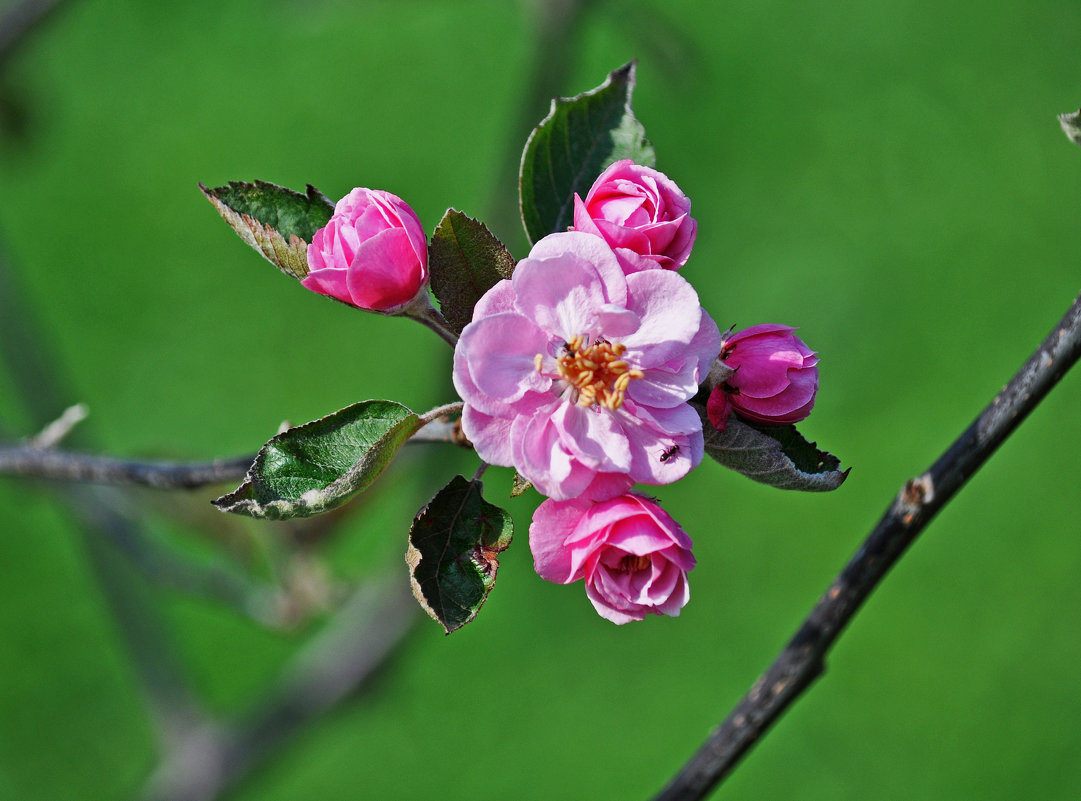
{"x": 319, "y": 465}
{"x": 454, "y": 549}
{"x": 277, "y": 222}
{"x": 1071, "y": 126}
{"x": 578, "y": 139}
{"x": 774, "y": 455}
{"x": 465, "y": 260}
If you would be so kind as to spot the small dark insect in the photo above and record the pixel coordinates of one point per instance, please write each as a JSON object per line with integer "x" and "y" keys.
{"x": 668, "y": 454}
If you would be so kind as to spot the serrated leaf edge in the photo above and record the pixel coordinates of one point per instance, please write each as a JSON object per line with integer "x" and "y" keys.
{"x": 290, "y": 256}
{"x": 627, "y": 71}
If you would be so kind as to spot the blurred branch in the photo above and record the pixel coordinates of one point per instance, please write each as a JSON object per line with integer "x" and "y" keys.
{"x": 26, "y": 350}
{"x": 356, "y": 643}
{"x": 803, "y": 659}
{"x": 555, "y": 55}
{"x": 163, "y": 566}
{"x": 145, "y": 634}
{"x": 143, "y": 630}
{"x": 20, "y": 19}
{"x": 36, "y": 462}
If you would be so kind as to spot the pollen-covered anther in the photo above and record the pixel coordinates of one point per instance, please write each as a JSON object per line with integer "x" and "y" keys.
{"x": 596, "y": 371}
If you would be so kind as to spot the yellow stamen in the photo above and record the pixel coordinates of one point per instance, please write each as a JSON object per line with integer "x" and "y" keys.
{"x": 595, "y": 371}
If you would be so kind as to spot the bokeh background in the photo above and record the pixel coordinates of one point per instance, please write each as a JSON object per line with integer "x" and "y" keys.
{"x": 888, "y": 176}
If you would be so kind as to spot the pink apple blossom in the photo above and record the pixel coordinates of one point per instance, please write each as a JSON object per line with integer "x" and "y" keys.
{"x": 641, "y": 213}
{"x": 775, "y": 377}
{"x": 633, "y": 556}
{"x": 372, "y": 254}
{"x": 578, "y": 375}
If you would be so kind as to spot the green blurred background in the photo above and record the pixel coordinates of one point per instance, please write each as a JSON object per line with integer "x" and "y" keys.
{"x": 888, "y": 176}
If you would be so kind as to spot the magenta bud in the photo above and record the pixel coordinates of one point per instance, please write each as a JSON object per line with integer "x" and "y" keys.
{"x": 373, "y": 253}
{"x": 775, "y": 379}
{"x": 642, "y": 215}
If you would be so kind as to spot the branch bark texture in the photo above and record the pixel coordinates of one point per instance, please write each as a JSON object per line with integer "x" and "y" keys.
{"x": 51, "y": 463}
{"x": 803, "y": 659}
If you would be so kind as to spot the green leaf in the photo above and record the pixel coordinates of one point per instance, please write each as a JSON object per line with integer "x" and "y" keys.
{"x": 1071, "y": 126}
{"x": 774, "y": 455}
{"x": 579, "y": 138}
{"x": 314, "y": 467}
{"x": 277, "y": 222}
{"x": 465, "y": 260}
{"x": 453, "y": 555}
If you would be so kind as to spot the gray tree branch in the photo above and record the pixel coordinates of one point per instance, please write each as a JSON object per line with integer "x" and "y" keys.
{"x": 51, "y": 463}
{"x": 803, "y": 659}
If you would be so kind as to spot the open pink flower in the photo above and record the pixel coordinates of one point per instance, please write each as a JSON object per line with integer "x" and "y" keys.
{"x": 633, "y": 556}
{"x": 775, "y": 378}
{"x": 578, "y": 375}
{"x": 373, "y": 253}
{"x": 641, "y": 213}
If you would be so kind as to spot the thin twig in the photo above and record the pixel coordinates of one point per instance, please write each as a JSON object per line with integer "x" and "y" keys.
{"x": 803, "y": 659}
{"x": 52, "y": 434}
{"x": 50, "y": 463}
{"x": 440, "y": 412}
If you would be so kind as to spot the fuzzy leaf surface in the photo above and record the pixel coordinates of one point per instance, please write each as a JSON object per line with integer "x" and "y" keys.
{"x": 775, "y": 455}
{"x": 277, "y": 222}
{"x": 314, "y": 467}
{"x": 453, "y": 555}
{"x": 465, "y": 260}
{"x": 573, "y": 145}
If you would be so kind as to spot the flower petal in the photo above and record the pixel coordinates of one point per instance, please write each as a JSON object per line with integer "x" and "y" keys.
{"x": 552, "y": 524}
{"x": 500, "y": 353}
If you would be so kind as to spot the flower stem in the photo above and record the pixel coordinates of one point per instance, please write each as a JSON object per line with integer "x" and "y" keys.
{"x": 422, "y": 310}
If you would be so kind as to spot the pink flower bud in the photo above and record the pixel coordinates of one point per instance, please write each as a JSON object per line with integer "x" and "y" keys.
{"x": 372, "y": 254}
{"x": 633, "y": 556}
{"x": 642, "y": 215}
{"x": 775, "y": 378}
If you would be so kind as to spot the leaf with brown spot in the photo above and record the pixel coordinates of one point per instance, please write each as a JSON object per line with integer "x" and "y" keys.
{"x": 453, "y": 554}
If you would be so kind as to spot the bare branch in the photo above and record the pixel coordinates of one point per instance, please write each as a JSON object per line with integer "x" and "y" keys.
{"x": 50, "y": 463}
{"x": 803, "y": 659}
{"x": 172, "y": 702}
{"x": 68, "y": 466}
{"x": 52, "y": 434}
{"x": 336, "y": 664}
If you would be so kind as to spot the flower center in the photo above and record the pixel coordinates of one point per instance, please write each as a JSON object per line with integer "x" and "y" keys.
{"x": 633, "y": 564}
{"x": 596, "y": 372}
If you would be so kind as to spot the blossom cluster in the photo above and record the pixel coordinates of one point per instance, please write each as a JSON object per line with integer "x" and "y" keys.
{"x": 578, "y": 372}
